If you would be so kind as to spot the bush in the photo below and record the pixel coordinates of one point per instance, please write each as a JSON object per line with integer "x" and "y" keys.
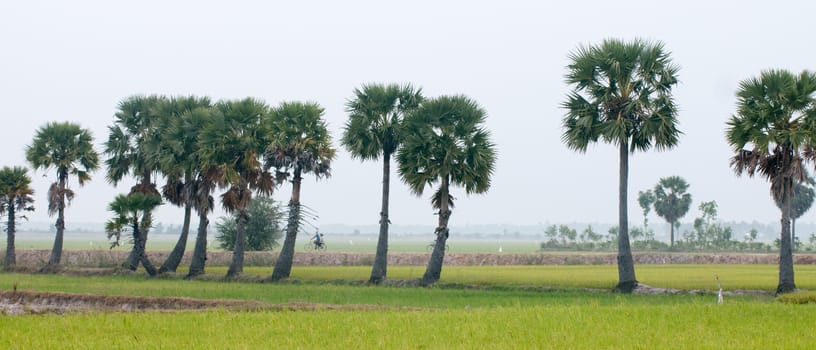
{"x": 263, "y": 229}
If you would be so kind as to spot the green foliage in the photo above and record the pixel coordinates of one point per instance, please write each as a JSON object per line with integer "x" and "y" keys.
{"x": 801, "y": 199}
{"x": 127, "y": 209}
{"x": 66, "y": 147}
{"x": 298, "y": 140}
{"x": 263, "y": 229}
{"x": 708, "y": 233}
{"x": 445, "y": 142}
{"x": 375, "y": 119}
{"x": 15, "y": 192}
{"x": 563, "y": 237}
{"x": 622, "y": 95}
{"x": 645, "y": 200}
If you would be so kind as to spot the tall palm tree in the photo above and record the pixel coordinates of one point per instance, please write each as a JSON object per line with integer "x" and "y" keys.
{"x": 68, "y": 148}
{"x": 177, "y": 155}
{"x": 671, "y": 201}
{"x": 373, "y": 130}
{"x": 16, "y": 197}
{"x": 801, "y": 201}
{"x": 299, "y": 143}
{"x": 127, "y": 210}
{"x": 776, "y": 119}
{"x": 134, "y": 131}
{"x": 621, "y": 95}
{"x": 230, "y": 149}
{"x": 444, "y": 142}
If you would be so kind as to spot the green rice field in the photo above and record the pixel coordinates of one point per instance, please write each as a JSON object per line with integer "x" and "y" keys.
{"x": 523, "y": 307}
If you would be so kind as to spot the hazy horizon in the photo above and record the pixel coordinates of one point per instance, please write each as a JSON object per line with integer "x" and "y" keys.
{"x": 74, "y": 61}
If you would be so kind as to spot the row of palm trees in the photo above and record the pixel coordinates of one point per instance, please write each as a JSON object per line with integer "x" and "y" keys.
{"x": 247, "y": 148}
{"x": 621, "y": 94}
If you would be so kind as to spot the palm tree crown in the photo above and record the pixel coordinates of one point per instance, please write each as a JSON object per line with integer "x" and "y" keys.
{"x": 622, "y": 95}
{"x": 299, "y": 139}
{"x": 445, "y": 140}
{"x": 375, "y": 119}
{"x": 66, "y": 147}
{"x": 135, "y": 130}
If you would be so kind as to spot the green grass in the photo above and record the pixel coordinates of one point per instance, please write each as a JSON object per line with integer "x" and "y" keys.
{"x": 753, "y": 277}
{"x": 589, "y": 326}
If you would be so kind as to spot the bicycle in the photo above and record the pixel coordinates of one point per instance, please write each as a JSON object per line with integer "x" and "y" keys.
{"x": 430, "y": 247}
{"x": 314, "y": 246}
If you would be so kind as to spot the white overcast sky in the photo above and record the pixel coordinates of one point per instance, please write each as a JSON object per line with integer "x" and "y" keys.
{"x": 74, "y": 60}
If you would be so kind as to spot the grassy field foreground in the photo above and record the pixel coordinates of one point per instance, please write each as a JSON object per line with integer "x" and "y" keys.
{"x": 500, "y": 313}
{"x": 591, "y": 326}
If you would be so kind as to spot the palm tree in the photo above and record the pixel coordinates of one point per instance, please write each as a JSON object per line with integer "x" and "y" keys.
{"x": 444, "y": 142}
{"x": 776, "y": 119}
{"x": 135, "y": 130}
{"x": 299, "y": 143}
{"x": 230, "y": 149}
{"x": 68, "y": 148}
{"x": 373, "y": 130}
{"x": 177, "y": 155}
{"x": 127, "y": 210}
{"x": 622, "y": 95}
{"x": 16, "y": 197}
{"x": 801, "y": 201}
{"x": 671, "y": 200}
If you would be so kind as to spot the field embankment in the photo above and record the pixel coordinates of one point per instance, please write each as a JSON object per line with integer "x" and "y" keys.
{"x": 111, "y": 258}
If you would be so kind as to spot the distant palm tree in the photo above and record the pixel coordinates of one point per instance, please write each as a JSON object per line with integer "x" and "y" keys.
{"x": 621, "y": 95}
{"x": 134, "y": 131}
{"x": 127, "y": 210}
{"x": 230, "y": 149}
{"x": 16, "y": 197}
{"x": 177, "y": 156}
{"x": 444, "y": 142}
{"x": 373, "y": 131}
{"x": 69, "y": 149}
{"x": 776, "y": 119}
{"x": 671, "y": 200}
{"x": 801, "y": 201}
{"x": 299, "y": 143}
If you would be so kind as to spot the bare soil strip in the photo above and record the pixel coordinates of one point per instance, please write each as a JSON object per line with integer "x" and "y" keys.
{"x": 35, "y": 302}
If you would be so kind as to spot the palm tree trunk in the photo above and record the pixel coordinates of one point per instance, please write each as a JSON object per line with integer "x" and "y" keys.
{"x": 626, "y": 265}
{"x": 11, "y": 258}
{"x": 138, "y": 251}
{"x": 237, "y": 265}
{"x": 139, "y": 243}
{"x": 672, "y": 235}
{"x": 793, "y": 234}
{"x": 434, "y": 269}
{"x": 379, "y": 270}
{"x": 200, "y": 250}
{"x": 174, "y": 259}
{"x": 283, "y": 266}
{"x": 56, "y": 251}
{"x": 786, "y": 281}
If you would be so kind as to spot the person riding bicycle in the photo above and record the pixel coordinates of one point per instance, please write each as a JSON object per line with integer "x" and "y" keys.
{"x": 318, "y": 239}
